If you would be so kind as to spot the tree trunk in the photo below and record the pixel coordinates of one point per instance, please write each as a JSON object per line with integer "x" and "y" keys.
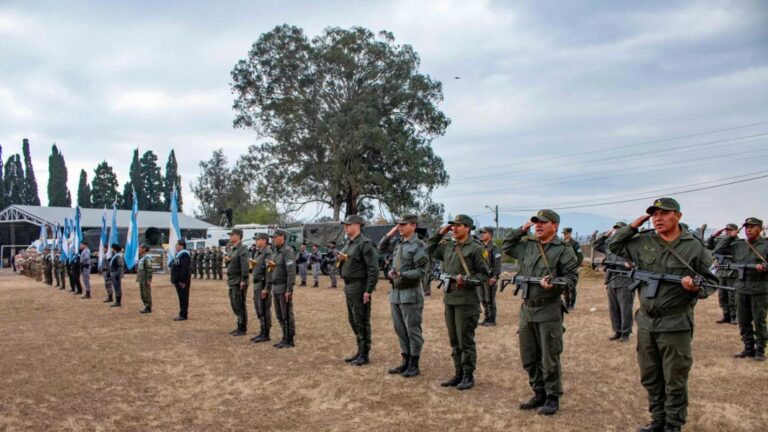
{"x": 336, "y": 211}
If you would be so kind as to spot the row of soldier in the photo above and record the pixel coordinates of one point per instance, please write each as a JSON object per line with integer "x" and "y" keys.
{"x": 207, "y": 262}
{"x": 667, "y": 266}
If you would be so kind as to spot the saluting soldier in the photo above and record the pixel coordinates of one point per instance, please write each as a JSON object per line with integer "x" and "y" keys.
{"x": 665, "y": 320}
{"x": 554, "y": 267}
{"x": 726, "y": 298}
{"x": 144, "y": 278}
{"x": 570, "y": 295}
{"x": 237, "y": 280}
{"x": 492, "y": 255}
{"x": 105, "y": 274}
{"x": 283, "y": 265}
{"x": 751, "y": 286}
{"x": 463, "y": 260}
{"x": 262, "y": 286}
{"x": 406, "y": 297}
{"x": 360, "y": 271}
{"x": 620, "y": 297}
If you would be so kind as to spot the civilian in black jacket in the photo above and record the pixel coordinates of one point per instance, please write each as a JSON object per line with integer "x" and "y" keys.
{"x": 181, "y": 276}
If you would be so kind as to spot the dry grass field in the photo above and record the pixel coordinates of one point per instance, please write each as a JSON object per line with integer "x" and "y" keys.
{"x": 76, "y": 365}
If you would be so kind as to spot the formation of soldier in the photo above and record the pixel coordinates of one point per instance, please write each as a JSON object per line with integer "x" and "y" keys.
{"x": 667, "y": 266}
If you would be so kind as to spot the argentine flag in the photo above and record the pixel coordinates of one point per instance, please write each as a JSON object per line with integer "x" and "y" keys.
{"x": 174, "y": 233}
{"x": 113, "y": 238}
{"x": 65, "y": 241}
{"x": 103, "y": 237}
{"x": 132, "y": 241}
{"x": 43, "y": 238}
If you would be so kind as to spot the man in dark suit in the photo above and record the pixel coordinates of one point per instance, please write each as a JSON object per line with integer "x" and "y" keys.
{"x": 181, "y": 276}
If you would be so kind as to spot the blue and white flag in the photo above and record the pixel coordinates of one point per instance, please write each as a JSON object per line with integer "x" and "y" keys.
{"x": 132, "y": 240}
{"x": 78, "y": 230}
{"x": 56, "y": 237}
{"x": 174, "y": 233}
{"x": 43, "y": 238}
{"x": 103, "y": 237}
{"x": 113, "y": 238}
{"x": 74, "y": 243}
{"x": 65, "y": 241}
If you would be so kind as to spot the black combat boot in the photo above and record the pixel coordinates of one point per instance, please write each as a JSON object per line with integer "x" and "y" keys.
{"x": 403, "y": 366}
{"x": 550, "y": 407}
{"x": 653, "y": 426}
{"x": 117, "y": 301}
{"x": 624, "y": 337}
{"x": 87, "y": 295}
{"x": 453, "y": 382}
{"x": 352, "y": 358}
{"x": 616, "y": 336}
{"x": 413, "y": 368}
{"x": 760, "y": 353}
{"x": 467, "y": 382}
{"x": 146, "y": 310}
{"x": 108, "y": 299}
{"x": 749, "y": 351}
{"x": 263, "y": 337}
{"x": 303, "y": 283}
{"x": 536, "y": 401}
{"x": 290, "y": 343}
{"x": 282, "y": 344}
{"x": 362, "y": 359}
{"x": 726, "y": 319}
{"x": 315, "y": 285}
{"x": 240, "y": 331}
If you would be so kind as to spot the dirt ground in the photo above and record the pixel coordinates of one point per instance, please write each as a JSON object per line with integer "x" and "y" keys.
{"x": 78, "y": 365}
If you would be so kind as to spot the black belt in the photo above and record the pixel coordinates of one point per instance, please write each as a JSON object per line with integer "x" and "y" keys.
{"x": 666, "y": 312}
{"x": 540, "y": 301}
{"x": 409, "y": 284}
{"x": 351, "y": 281}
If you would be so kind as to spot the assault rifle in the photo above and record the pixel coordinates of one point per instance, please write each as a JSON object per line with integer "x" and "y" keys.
{"x": 741, "y": 269}
{"x": 522, "y": 283}
{"x": 653, "y": 279}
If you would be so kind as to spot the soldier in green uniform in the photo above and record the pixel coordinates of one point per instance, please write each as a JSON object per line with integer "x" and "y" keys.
{"x": 57, "y": 269}
{"x": 48, "y": 261}
{"x": 407, "y": 295}
{"x": 554, "y": 267}
{"x": 492, "y": 255}
{"x": 360, "y": 271}
{"x": 620, "y": 297}
{"x": 282, "y": 266}
{"x": 193, "y": 260}
{"x": 726, "y": 298}
{"x": 207, "y": 262}
{"x": 665, "y": 320}
{"x": 144, "y": 278}
{"x": 104, "y": 269}
{"x": 200, "y": 262}
{"x": 237, "y": 279}
{"x": 262, "y": 286}
{"x": 332, "y": 255}
{"x": 464, "y": 263}
{"x": 751, "y": 285}
{"x": 220, "y": 263}
{"x": 570, "y": 295}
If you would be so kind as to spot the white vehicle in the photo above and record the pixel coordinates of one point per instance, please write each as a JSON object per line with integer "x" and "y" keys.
{"x": 219, "y": 236}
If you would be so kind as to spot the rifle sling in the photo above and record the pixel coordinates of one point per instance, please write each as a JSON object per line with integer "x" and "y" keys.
{"x": 457, "y": 249}
{"x": 757, "y": 254}
{"x": 544, "y": 257}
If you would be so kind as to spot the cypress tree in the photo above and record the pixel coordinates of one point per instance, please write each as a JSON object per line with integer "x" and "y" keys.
{"x": 84, "y": 191}
{"x": 58, "y": 194}
{"x": 30, "y": 185}
{"x": 172, "y": 180}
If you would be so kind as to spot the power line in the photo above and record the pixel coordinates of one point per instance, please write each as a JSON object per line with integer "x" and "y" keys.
{"x": 626, "y": 172}
{"x": 627, "y": 145}
{"x": 681, "y": 192}
{"x": 612, "y": 158}
{"x": 655, "y": 191}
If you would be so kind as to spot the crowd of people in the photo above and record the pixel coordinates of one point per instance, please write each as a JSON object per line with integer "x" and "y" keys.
{"x": 668, "y": 267}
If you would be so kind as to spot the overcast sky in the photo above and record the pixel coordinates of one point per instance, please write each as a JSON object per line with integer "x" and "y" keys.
{"x": 557, "y": 106}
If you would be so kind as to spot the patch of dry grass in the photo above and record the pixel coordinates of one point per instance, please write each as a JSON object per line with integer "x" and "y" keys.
{"x": 71, "y": 364}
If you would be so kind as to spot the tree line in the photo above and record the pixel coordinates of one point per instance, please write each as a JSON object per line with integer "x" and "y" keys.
{"x": 153, "y": 188}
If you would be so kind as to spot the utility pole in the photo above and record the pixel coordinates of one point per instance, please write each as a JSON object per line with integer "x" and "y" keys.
{"x": 495, "y": 210}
